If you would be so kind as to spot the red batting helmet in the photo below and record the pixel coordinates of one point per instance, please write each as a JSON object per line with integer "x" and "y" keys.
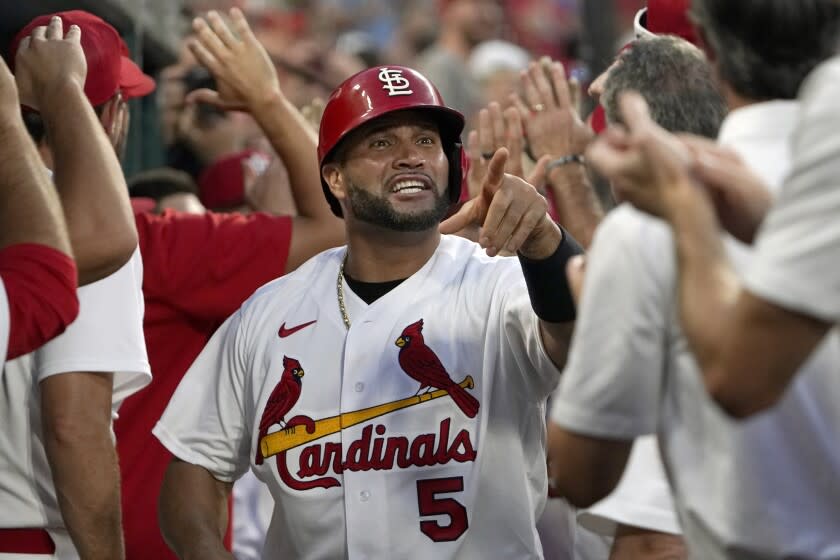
{"x": 379, "y": 91}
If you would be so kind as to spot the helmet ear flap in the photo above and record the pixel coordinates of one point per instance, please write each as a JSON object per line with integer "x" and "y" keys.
{"x": 456, "y": 171}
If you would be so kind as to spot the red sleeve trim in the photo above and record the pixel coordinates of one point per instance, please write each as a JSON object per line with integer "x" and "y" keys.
{"x": 41, "y": 286}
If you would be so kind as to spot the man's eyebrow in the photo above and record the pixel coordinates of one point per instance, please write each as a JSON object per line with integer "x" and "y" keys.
{"x": 423, "y": 126}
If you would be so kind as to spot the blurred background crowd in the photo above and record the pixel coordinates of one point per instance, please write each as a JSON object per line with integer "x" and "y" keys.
{"x": 317, "y": 44}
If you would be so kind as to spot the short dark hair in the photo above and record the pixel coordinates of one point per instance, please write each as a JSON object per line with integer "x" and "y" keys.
{"x": 160, "y": 182}
{"x": 676, "y": 81}
{"x": 764, "y": 49}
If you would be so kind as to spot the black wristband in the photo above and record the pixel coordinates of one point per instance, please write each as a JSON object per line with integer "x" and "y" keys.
{"x": 547, "y": 284}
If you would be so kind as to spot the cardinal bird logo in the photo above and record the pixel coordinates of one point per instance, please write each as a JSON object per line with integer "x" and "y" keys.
{"x": 421, "y": 363}
{"x": 280, "y": 402}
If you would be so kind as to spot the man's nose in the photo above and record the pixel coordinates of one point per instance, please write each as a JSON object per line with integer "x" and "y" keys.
{"x": 409, "y": 157}
{"x": 596, "y": 88}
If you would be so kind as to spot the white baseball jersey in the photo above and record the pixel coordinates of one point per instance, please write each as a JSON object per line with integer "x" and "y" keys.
{"x": 762, "y": 488}
{"x": 107, "y": 336}
{"x": 364, "y": 460}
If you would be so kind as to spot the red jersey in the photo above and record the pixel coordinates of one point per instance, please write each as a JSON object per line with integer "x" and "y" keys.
{"x": 198, "y": 269}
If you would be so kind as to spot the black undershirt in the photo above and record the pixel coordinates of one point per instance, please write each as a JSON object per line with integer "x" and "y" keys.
{"x": 371, "y": 291}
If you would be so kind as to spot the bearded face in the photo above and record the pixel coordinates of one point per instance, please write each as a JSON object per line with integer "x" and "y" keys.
{"x": 378, "y": 210}
{"x": 394, "y": 174}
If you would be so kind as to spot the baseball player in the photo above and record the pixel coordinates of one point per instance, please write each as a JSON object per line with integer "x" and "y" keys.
{"x": 635, "y": 285}
{"x": 59, "y": 493}
{"x": 37, "y": 274}
{"x": 389, "y": 393}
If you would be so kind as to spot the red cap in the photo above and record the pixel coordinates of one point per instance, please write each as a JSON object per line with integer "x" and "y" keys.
{"x": 666, "y": 17}
{"x": 109, "y": 67}
{"x": 222, "y": 184}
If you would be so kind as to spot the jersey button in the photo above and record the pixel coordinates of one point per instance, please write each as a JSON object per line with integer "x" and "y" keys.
{"x": 364, "y": 495}
{"x": 359, "y": 387}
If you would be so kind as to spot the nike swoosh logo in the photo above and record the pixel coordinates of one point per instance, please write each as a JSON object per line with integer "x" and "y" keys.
{"x": 284, "y": 332}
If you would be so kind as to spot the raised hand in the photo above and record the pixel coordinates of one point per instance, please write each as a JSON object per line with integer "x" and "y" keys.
{"x": 549, "y": 111}
{"x": 496, "y": 129}
{"x": 47, "y": 61}
{"x": 645, "y": 163}
{"x": 511, "y": 213}
{"x": 243, "y": 70}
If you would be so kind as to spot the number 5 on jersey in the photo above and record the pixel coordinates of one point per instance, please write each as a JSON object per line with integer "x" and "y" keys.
{"x": 429, "y": 504}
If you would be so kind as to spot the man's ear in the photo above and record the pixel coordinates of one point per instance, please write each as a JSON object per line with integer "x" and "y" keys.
{"x": 334, "y": 178}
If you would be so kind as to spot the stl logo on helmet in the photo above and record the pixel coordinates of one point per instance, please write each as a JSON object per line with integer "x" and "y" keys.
{"x": 394, "y": 82}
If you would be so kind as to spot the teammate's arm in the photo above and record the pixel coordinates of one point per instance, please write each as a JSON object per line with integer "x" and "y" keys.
{"x": 554, "y": 132}
{"x": 585, "y": 469}
{"x": 76, "y": 417}
{"x": 247, "y": 80}
{"x": 730, "y": 330}
{"x": 50, "y": 72}
{"x": 35, "y": 264}
{"x": 193, "y": 512}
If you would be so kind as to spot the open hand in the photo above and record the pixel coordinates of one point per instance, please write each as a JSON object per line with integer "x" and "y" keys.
{"x": 496, "y": 129}
{"x": 511, "y": 213}
{"x": 550, "y": 113}
{"x": 243, "y": 70}
{"x": 47, "y": 61}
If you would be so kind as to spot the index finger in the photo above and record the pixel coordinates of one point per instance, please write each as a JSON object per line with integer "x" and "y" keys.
{"x": 495, "y": 173}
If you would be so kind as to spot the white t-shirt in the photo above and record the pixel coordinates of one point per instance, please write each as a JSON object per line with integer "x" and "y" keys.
{"x": 642, "y": 498}
{"x": 407, "y": 476}
{"x": 107, "y": 336}
{"x": 766, "y": 487}
{"x": 798, "y": 248}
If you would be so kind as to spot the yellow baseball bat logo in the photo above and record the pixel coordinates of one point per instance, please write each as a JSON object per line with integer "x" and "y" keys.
{"x": 292, "y": 437}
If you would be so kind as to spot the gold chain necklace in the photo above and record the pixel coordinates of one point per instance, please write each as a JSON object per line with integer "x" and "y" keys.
{"x": 340, "y": 289}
